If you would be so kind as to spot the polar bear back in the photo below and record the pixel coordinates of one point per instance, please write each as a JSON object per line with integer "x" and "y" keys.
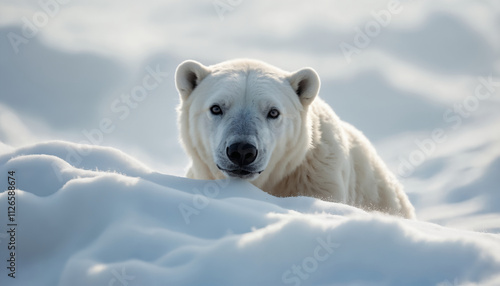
{"x": 342, "y": 166}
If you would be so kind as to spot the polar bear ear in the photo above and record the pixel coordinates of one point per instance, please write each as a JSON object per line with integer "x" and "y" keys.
{"x": 305, "y": 83}
{"x": 188, "y": 75}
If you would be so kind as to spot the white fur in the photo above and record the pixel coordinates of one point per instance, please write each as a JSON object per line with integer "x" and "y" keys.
{"x": 306, "y": 151}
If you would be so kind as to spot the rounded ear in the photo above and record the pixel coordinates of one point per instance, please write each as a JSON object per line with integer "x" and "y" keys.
{"x": 188, "y": 75}
{"x": 305, "y": 83}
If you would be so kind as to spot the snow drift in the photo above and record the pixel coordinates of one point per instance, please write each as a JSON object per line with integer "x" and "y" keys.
{"x": 88, "y": 215}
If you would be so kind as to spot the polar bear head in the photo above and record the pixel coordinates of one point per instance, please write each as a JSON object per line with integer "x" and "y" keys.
{"x": 244, "y": 118}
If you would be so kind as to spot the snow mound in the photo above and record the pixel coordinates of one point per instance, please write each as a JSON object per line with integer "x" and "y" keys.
{"x": 88, "y": 215}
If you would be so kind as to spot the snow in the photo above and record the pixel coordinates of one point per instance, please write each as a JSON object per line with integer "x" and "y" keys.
{"x": 107, "y": 219}
{"x": 99, "y": 174}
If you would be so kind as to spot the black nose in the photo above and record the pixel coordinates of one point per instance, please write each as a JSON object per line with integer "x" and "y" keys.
{"x": 241, "y": 154}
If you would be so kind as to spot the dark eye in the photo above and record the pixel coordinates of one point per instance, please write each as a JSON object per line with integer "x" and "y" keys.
{"x": 216, "y": 110}
{"x": 273, "y": 113}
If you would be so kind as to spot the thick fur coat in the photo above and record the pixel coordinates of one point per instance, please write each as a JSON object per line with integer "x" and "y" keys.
{"x": 247, "y": 119}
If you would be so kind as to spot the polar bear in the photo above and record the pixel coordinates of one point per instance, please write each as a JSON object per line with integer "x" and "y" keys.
{"x": 250, "y": 120}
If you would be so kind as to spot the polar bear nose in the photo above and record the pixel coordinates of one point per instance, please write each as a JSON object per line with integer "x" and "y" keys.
{"x": 241, "y": 153}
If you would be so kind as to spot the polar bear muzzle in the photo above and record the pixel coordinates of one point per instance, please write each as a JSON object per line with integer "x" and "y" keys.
{"x": 241, "y": 153}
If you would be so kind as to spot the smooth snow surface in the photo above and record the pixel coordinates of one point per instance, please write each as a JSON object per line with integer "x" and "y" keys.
{"x": 103, "y": 218}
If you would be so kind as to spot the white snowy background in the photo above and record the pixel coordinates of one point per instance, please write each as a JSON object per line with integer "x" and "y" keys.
{"x": 100, "y": 201}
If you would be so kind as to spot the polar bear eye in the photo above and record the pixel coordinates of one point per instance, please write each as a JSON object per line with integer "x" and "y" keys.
{"x": 216, "y": 110}
{"x": 273, "y": 113}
